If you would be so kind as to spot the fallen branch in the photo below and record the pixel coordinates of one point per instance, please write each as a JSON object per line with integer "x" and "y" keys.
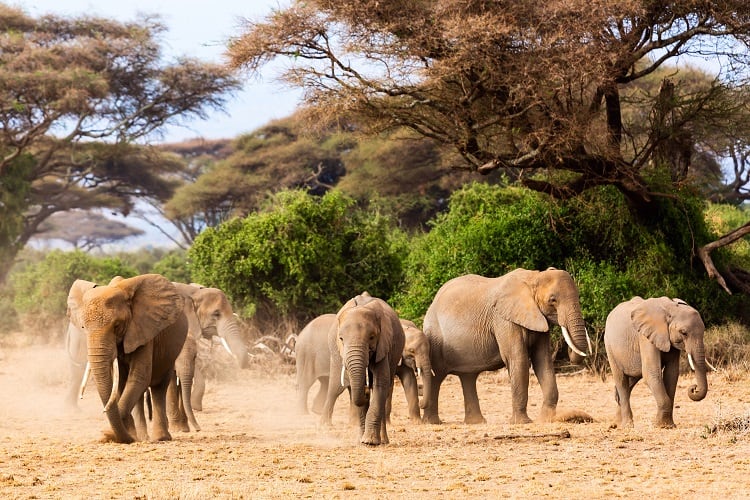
{"x": 558, "y": 435}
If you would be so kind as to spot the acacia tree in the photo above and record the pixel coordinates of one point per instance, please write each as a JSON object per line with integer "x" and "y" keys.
{"x": 80, "y": 98}
{"x": 537, "y": 89}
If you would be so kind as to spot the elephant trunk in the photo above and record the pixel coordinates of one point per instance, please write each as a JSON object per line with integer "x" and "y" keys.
{"x": 229, "y": 330}
{"x": 355, "y": 362}
{"x": 698, "y": 391}
{"x": 574, "y": 332}
{"x": 101, "y": 354}
{"x": 425, "y": 369}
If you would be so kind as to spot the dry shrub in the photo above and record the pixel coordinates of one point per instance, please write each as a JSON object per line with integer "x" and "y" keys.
{"x": 737, "y": 427}
{"x": 728, "y": 345}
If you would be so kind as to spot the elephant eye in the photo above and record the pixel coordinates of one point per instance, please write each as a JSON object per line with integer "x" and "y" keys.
{"x": 552, "y": 300}
{"x": 683, "y": 332}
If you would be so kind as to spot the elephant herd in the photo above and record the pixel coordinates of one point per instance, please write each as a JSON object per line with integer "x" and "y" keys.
{"x": 139, "y": 332}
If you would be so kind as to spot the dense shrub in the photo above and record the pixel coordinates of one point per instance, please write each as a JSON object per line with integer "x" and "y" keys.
{"x": 174, "y": 266}
{"x": 300, "y": 256}
{"x": 612, "y": 253}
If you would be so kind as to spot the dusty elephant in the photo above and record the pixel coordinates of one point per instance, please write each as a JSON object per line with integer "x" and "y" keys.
{"x": 139, "y": 325}
{"x": 644, "y": 339}
{"x": 475, "y": 324}
{"x": 210, "y": 314}
{"x": 75, "y": 348}
{"x": 313, "y": 361}
{"x": 415, "y": 364}
{"x": 366, "y": 345}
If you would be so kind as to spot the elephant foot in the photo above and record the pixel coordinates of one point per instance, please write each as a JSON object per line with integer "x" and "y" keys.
{"x": 371, "y": 439}
{"x": 163, "y": 437}
{"x": 665, "y": 424}
{"x": 547, "y": 415}
{"x": 431, "y": 419}
{"x": 180, "y": 425}
{"x": 474, "y": 419}
{"x": 110, "y": 437}
{"x": 520, "y": 418}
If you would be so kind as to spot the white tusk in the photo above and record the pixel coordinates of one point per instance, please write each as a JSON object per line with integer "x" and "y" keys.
{"x": 569, "y": 341}
{"x": 419, "y": 372}
{"x": 115, "y": 386}
{"x": 343, "y": 370}
{"x": 690, "y": 361}
{"x": 367, "y": 377}
{"x": 399, "y": 361}
{"x": 713, "y": 368}
{"x": 178, "y": 381}
{"x": 433, "y": 372}
{"x": 588, "y": 340}
{"x": 225, "y": 345}
{"x": 84, "y": 380}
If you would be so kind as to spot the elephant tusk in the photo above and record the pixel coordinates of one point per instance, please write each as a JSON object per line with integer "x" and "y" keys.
{"x": 178, "y": 381}
{"x": 569, "y": 341}
{"x": 588, "y": 340}
{"x": 419, "y": 372}
{"x": 367, "y": 377}
{"x": 690, "y": 361}
{"x": 225, "y": 345}
{"x": 84, "y": 380}
{"x": 712, "y": 367}
{"x": 115, "y": 386}
{"x": 343, "y": 371}
{"x": 399, "y": 361}
{"x": 432, "y": 372}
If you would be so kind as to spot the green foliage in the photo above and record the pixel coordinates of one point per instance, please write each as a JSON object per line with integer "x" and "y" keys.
{"x": 174, "y": 266}
{"x": 612, "y": 253}
{"x": 301, "y": 255}
{"x": 40, "y": 288}
{"x": 723, "y": 218}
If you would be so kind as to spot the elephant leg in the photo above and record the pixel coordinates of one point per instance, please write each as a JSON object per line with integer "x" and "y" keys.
{"x": 199, "y": 386}
{"x": 320, "y": 397}
{"x": 334, "y": 391}
{"x": 411, "y": 390}
{"x": 431, "y": 413}
{"x": 663, "y": 385}
{"x": 159, "y": 399}
{"x": 472, "y": 412}
{"x": 541, "y": 361}
{"x": 518, "y": 372}
{"x": 175, "y": 407}
{"x": 139, "y": 415}
{"x": 374, "y": 432}
{"x": 623, "y": 387}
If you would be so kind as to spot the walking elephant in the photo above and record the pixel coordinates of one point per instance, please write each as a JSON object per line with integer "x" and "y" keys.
{"x": 366, "y": 345}
{"x": 415, "y": 364}
{"x": 644, "y": 339}
{"x": 135, "y": 329}
{"x": 209, "y": 314}
{"x": 313, "y": 361}
{"x": 475, "y": 324}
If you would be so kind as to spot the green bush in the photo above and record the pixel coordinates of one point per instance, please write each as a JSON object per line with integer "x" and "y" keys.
{"x": 301, "y": 256}
{"x": 174, "y": 266}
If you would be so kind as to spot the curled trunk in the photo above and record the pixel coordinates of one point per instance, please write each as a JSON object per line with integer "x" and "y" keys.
{"x": 425, "y": 370}
{"x": 698, "y": 391}
{"x": 574, "y": 331}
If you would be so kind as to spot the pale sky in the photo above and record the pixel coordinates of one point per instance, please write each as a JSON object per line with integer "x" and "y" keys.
{"x": 197, "y": 28}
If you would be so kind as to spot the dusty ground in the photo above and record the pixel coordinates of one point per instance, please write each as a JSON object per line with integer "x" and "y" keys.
{"x": 253, "y": 446}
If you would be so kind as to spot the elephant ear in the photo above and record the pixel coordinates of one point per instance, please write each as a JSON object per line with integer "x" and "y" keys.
{"x": 75, "y": 300}
{"x": 155, "y": 304}
{"x": 649, "y": 319}
{"x": 390, "y": 329}
{"x": 515, "y": 302}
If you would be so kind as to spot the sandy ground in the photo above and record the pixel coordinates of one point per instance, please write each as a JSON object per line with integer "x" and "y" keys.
{"x": 253, "y": 445}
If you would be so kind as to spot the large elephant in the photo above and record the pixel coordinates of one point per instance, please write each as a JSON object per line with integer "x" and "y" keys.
{"x": 210, "y": 314}
{"x": 475, "y": 324}
{"x": 366, "y": 345}
{"x": 139, "y": 325}
{"x": 644, "y": 339}
{"x": 415, "y": 364}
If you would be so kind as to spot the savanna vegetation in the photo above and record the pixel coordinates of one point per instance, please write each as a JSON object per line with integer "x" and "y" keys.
{"x": 436, "y": 139}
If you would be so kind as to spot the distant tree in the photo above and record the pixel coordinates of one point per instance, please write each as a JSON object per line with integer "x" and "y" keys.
{"x": 85, "y": 230}
{"x": 78, "y": 95}
{"x": 539, "y": 90}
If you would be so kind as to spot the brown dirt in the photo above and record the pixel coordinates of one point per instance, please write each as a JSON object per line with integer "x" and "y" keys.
{"x": 253, "y": 446}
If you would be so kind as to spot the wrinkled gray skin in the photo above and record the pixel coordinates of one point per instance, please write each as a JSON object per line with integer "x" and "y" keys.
{"x": 312, "y": 358}
{"x": 211, "y": 315}
{"x": 141, "y": 323}
{"x": 415, "y": 362}
{"x": 476, "y": 324}
{"x": 367, "y": 337}
{"x": 644, "y": 339}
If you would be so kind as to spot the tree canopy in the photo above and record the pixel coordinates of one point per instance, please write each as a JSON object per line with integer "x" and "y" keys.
{"x": 537, "y": 89}
{"x": 81, "y": 97}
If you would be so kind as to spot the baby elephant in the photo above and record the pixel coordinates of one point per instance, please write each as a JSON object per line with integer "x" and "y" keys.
{"x": 644, "y": 338}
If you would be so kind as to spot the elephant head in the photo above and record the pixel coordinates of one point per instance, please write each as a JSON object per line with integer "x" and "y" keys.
{"x": 532, "y": 298}
{"x": 216, "y": 317}
{"x": 120, "y": 318}
{"x": 669, "y": 323}
{"x": 417, "y": 356}
{"x": 365, "y": 332}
